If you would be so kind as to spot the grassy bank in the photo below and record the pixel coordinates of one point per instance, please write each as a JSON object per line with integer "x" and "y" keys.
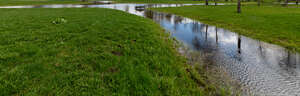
{"x": 160, "y": 1}
{"x": 91, "y": 52}
{"x": 38, "y": 2}
{"x": 274, "y": 24}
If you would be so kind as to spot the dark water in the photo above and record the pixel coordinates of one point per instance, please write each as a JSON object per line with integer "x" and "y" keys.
{"x": 265, "y": 68}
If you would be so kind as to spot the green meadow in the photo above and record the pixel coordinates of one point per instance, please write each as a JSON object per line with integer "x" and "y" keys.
{"x": 38, "y": 2}
{"x": 91, "y": 51}
{"x": 270, "y": 23}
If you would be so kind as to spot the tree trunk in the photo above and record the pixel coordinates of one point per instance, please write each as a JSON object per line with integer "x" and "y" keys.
{"x": 215, "y": 2}
{"x": 206, "y": 2}
{"x": 286, "y": 3}
{"x": 239, "y": 6}
{"x": 258, "y": 2}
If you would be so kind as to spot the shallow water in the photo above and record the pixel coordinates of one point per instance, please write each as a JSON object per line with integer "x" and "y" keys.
{"x": 265, "y": 68}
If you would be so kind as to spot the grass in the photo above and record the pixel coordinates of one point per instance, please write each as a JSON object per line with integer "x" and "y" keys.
{"x": 274, "y": 24}
{"x": 160, "y": 1}
{"x": 190, "y": 1}
{"x": 91, "y": 51}
{"x": 47, "y": 2}
{"x": 38, "y": 2}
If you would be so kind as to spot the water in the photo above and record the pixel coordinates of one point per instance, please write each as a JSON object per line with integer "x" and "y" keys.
{"x": 265, "y": 68}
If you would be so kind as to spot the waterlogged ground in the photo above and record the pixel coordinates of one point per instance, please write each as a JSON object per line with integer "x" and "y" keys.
{"x": 265, "y": 68}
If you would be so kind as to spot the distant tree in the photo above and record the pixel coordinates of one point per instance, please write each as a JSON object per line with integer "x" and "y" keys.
{"x": 286, "y": 3}
{"x": 258, "y": 2}
{"x": 297, "y": 2}
{"x": 216, "y": 2}
{"x": 239, "y": 6}
{"x": 206, "y": 2}
{"x": 84, "y": 0}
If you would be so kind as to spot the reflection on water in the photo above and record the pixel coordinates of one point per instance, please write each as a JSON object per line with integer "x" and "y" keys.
{"x": 265, "y": 68}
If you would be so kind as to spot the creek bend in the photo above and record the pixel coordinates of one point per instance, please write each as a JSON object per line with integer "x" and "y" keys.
{"x": 265, "y": 68}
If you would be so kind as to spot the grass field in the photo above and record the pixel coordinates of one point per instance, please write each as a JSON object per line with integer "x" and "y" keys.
{"x": 91, "y": 52}
{"x": 47, "y": 2}
{"x": 160, "y": 1}
{"x": 274, "y": 24}
{"x": 38, "y": 2}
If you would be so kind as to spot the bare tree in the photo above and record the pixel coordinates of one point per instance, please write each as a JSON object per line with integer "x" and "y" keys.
{"x": 215, "y": 2}
{"x": 239, "y": 6}
{"x": 286, "y": 3}
{"x": 206, "y": 2}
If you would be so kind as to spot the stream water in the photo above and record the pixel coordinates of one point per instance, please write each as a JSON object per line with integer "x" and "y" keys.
{"x": 265, "y": 68}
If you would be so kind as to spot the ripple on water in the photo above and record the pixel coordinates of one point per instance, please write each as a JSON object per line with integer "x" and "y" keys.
{"x": 265, "y": 68}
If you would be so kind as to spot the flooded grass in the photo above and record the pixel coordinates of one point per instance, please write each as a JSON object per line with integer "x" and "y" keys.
{"x": 274, "y": 24}
{"x": 89, "y": 52}
{"x": 216, "y": 79}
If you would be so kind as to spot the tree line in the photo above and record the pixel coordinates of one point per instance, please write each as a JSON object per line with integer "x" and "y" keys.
{"x": 259, "y": 3}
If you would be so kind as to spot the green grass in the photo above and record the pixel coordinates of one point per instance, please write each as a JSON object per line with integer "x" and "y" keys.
{"x": 274, "y": 24}
{"x": 189, "y": 1}
{"x": 38, "y": 2}
{"x": 91, "y": 52}
{"x": 160, "y": 1}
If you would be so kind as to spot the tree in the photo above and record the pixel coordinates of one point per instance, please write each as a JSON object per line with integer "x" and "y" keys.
{"x": 215, "y": 2}
{"x": 206, "y": 2}
{"x": 286, "y": 3}
{"x": 297, "y": 1}
{"x": 258, "y": 2}
{"x": 239, "y": 6}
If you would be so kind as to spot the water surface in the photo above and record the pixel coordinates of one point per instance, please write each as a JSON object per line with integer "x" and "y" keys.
{"x": 265, "y": 68}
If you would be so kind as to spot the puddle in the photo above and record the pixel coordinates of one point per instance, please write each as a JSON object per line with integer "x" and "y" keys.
{"x": 265, "y": 68}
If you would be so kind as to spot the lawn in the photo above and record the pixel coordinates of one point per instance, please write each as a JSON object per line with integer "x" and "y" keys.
{"x": 274, "y": 24}
{"x": 160, "y": 1}
{"x": 91, "y": 51}
{"x": 38, "y": 2}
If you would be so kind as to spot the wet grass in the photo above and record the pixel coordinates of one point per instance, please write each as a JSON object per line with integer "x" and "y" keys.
{"x": 38, "y": 2}
{"x": 188, "y": 1}
{"x": 160, "y": 1}
{"x": 274, "y": 24}
{"x": 91, "y": 52}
